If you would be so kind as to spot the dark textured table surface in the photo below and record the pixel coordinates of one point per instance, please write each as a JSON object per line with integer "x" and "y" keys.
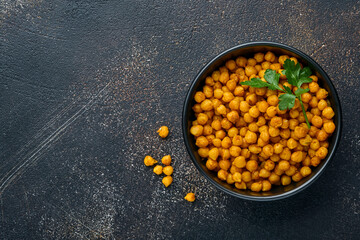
{"x": 85, "y": 84}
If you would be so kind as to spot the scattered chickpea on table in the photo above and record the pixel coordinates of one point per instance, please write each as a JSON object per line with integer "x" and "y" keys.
{"x": 242, "y": 134}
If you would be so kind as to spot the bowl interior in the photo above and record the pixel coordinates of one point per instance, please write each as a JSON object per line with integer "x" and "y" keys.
{"x": 248, "y": 50}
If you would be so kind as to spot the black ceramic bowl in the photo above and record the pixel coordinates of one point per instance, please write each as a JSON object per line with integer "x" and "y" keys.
{"x": 248, "y": 50}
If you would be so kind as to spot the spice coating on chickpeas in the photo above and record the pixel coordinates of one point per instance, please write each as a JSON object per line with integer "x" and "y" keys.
{"x": 244, "y": 136}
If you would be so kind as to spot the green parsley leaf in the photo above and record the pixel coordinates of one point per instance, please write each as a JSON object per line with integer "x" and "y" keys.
{"x": 287, "y": 90}
{"x": 256, "y": 82}
{"x": 300, "y": 91}
{"x": 273, "y": 79}
{"x": 295, "y": 75}
{"x": 286, "y": 101}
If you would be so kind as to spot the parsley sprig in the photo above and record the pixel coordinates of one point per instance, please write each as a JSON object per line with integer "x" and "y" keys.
{"x": 295, "y": 75}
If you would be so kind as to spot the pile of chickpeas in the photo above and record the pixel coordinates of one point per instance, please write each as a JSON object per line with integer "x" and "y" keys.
{"x": 242, "y": 134}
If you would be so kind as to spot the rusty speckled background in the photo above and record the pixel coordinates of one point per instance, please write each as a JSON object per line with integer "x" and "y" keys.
{"x": 85, "y": 84}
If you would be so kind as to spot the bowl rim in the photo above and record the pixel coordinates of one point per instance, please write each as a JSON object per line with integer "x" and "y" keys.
{"x": 186, "y": 113}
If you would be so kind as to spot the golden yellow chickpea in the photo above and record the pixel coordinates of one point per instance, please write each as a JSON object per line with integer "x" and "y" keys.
{"x": 259, "y": 57}
{"x": 321, "y": 93}
{"x": 315, "y": 161}
{"x": 206, "y": 105}
{"x": 190, "y": 197}
{"x": 211, "y": 164}
{"x": 168, "y": 170}
{"x": 315, "y": 145}
{"x": 228, "y": 97}
{"x": 273, "y": 100}
{"x": 329, "y": 127}
{"x": 231, "y": 65}
{"x": 270, "y": 57}
{"x": 276, "y": 122}
{"x": 207, "y": 130}
{"x": 202, "y": 119}
{"x": 250, "y": 70}
{"x": 261, "y": 121}
{"x": 201, "y": 141}
{"x": 254, "y": 149}
{"x": 292, "y": 143}
{"x": 317, "y": 121}
{"x": 222, "y": 174}
{"x": 256, "y": 187}
{"x": 163, "y": 131}
{"x": 224, "y": 164}
{"x": 236, "y": 177}
{"x": 305, "y": 171}
{"x": 237, "y": 140}
{"x": 233, "y": 116}
{"x": 285, "y": 180}
{"x": 321, "y": 152}
{"x": 274, "y": 178}
{"x": 268, "y": 150}
{"x": 254, "y": 112}
{"x": 274, "y": 132}
{"x": 321, "y": 135}
{"x": 297, "y": 177}
{"x": 284, "y": 165}
{"x": 328, "y": 113}
{"x": 216, "y": 75}
{"x": 235, "y": 151}
{"x": 251, "y": 165}
{"x": 291, "y": 171}
{"x": 166, "y": 160}
{"x": 251, "y": 99}
{"x": 234, "y": 104}
{"x": 226, "y": 124}
{"x": 158, "y": 169}
{"x": 250, "y": 137}
{"x": 271, "y": 111}
{"x": 246, "y": 176}
{"x": 240, "y": 162}
{"x": 239, "y": 91}
{"x": 300, "y": 132}
{"x": 199, "y": 97}
{"x": 149, "y": 161}
{"x": 167, "y": 181}
{"x": 322, "y": 104}
{"x": 209, "y": 81}
{"x": 313, "y": 87}
{"x": 229, "y": 179}
{"x": 203, "y": 152}
{"x": 306, "y": 141}
{"x": 224, "y": 77}
{"x": 264, "y": 173}
{"x": 297, "y": 156}
{"x": 240, "y": 185}
{"x": 266, "y": 186}
{"x": 218, "y": 93}
{"x": 241, "y": 61}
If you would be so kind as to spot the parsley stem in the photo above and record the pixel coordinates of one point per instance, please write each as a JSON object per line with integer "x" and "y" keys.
{"x": 303, "y": 109}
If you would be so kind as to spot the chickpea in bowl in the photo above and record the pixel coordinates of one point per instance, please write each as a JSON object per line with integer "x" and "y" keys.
{"x": 243, "y": 140}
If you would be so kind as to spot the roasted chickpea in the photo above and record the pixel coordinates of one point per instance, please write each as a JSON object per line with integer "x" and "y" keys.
{"x": 285, "y": 154}
{"x": 168, "y": 170}
{"x": 274, "y": 178}
{"x": 250, "y": 137}
{"x": 167, "y": 181}
{"x": 251, "y": 165}
{"x": 273, "y": 100}
{"x": 285, "y": 180}
{"x": 305, "y": 171}
{"x": 276, "y": 122}
{"x": 321, "y": 152}
{"x": 313, "y": 87}
{"x": 190, "y": 197}
{"x": 251, "y": 99}
{"x": 328, "y": 113}
{"x": 149, "y": 161}
{"x": 317, "y": 121}
{"x": 321, "y": 93}
{"x": 211, "y": 164}
{"x": 268, "y": 150}
{"x": 201, "y": 141}
{"x": 321, "y": 135}
{"x": 206, "y": 105}
{"x": 158, "y": 169}
{"x": 315, "y": 161}
{"x": 163, "y": 131}
{"x": 284, "y": 165}
{"x": 297, "y": 177}
{"x": 270, "y": 57}
{"x": 235, "y": 151}
{"x": 329, "y": 127}
{"x": 222, "y": 174}
{"x": 256, "y": 187}
{"x": 254, "y": 112}
{"x": 202, "y": 118}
